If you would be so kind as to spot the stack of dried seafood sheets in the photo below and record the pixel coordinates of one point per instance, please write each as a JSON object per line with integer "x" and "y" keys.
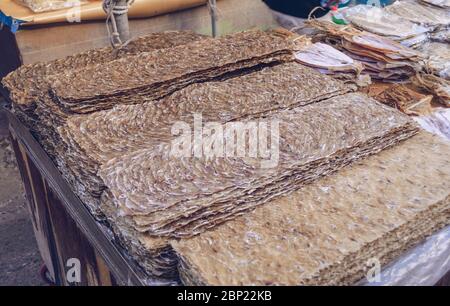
{"x": 381, "y": 22}
{"x": 382, "y": 58}
{"x": 153, "y": 75}
{"x": 438, "y": 58}
{"x": 330, "y": 61}
{"x": 175, "y": 196}
{"x": 132, "y": 127}
{"x": 414, "y": 11}
{"x": 29, "y": 85}
{"x": 405, "y": 99}
{"x": 435, "y": 85}
{"x": 326, "y": 232}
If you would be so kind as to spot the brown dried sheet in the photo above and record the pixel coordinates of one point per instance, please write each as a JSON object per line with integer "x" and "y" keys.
{"x": 435, "y": 85}
{"x": 379, "y": 21}
{"x": 28, "y": 88}
{"x": 382, "y": 58}
{"x": 421, "y": 14}
{"x": 325, "y": 233}
{"x": 184, "y": 196}
{"x": 438, "y": 58}
{"x": 30, "y": 81}
{"x": 329, "y": 60}
{"x": 406, "y": 100}
{"x": 128, "y": 128}
{"x": 156, "y": 74}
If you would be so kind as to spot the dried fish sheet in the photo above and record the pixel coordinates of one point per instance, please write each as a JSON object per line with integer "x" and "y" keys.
{"x": 406, "y": 100}
{"x": 329, "y": 60}
{"x": 417, "y": 13}
{"x": 435, "y": 85}
{"x": 324, "y": 233}
{"x": 30, "y": 81}
{"x": 379, "y": 21}
{"x": 156, "y": 74}
{"x": 179, "y": 191}
{"x": 438, "y": 61}
{"x": 28, "y": 88}
{"x": 382, "y": 58}
{"x": 132, "y": 127}
{"x": 154, "y": 255}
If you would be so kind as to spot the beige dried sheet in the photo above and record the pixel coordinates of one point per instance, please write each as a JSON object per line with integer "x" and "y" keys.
{"x": 156, "y": 74}
{"x": 128, "y": 128}
{"x": 183, "y": 196}
{"x": 421, "y": 14}
{"x": 406, "y": 100}
{"x": 324, "y": 233}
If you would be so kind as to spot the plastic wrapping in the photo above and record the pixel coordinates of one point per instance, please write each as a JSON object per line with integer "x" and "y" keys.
{"x": 39, "y": 6}
{"x": 423, "y": 265}
{"x": 438, "y": 123}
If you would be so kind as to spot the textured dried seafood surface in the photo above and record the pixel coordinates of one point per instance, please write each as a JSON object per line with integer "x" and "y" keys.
{"x": 179, "y": 197}
{"x": 30, "y": 81}
{"x": 325, "y": 232}
{"x": 128, "y": 128}
{"x": 417, "y": 13}
{"x": 29, "y": 87}
{"x": 381, "y": 57}
{"x": 379, "y": 21}
{"x": 161, "y": 72}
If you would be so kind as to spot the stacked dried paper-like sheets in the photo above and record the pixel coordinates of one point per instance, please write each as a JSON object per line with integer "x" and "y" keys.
{"x": 183, "y": 196}
{"x": 132, "y": 127}
{"x": 326, "y": 232}
{"x": 330, "y": 61}
{"x": 381, "y": 22}
{"x": 403, "y": 98}
{"x": 431, "y": 83}
{"x": 438, "y": 58}
{"x": 29, "y": 85}
{"x": 382, "y": 58}
{"x": 416, "y": 12}
{"x": 30, "y": 81}
{"x": 156, "y": 74}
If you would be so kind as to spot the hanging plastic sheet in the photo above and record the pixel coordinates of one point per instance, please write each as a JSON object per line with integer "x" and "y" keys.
{"x": 438, "y": 123}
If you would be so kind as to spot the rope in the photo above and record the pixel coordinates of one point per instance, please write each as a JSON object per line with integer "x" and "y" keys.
{"x": 212, "y": 7}
{"x": 112, "y": 9}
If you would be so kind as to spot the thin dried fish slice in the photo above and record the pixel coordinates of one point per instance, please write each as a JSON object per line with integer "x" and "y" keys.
{"x": 324, "y": 233}
{"x": 156, "y": 74}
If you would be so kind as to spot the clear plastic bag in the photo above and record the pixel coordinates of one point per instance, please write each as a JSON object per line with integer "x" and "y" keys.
{"x": 39, "y": 6}
{"x": 423, "y": 265}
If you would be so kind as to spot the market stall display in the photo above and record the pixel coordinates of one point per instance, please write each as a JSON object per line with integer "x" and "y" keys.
{"x": 148, "y": 135}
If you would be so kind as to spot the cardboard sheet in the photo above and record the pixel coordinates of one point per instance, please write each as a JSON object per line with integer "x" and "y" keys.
{"x": 94, "y": 11}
